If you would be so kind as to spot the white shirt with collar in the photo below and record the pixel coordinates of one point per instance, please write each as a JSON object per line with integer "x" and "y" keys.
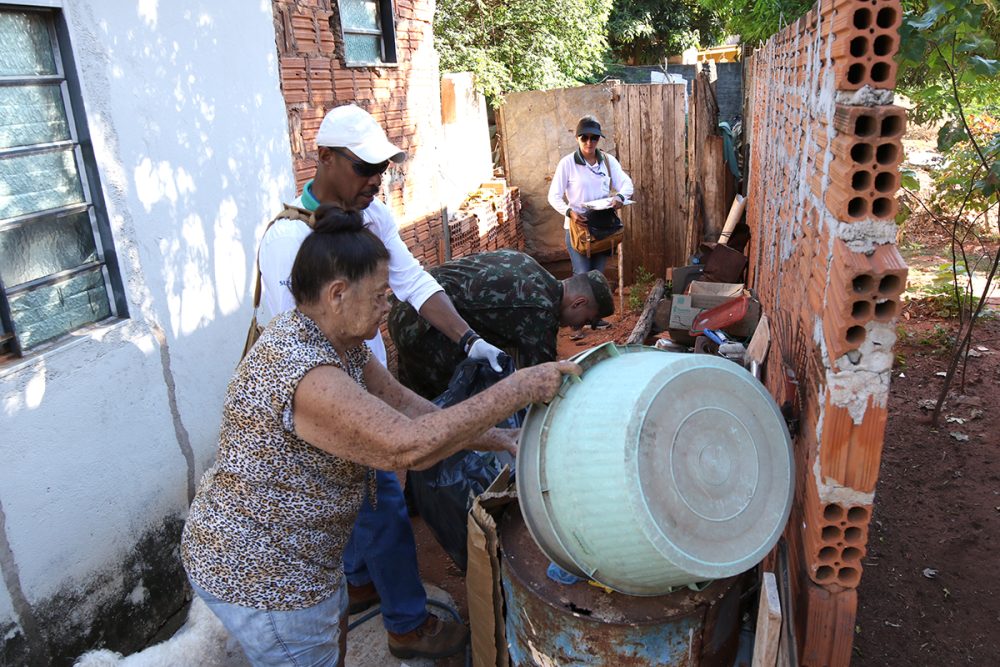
{"x": 576, "y": 181}
{"x": 407, "y": 278}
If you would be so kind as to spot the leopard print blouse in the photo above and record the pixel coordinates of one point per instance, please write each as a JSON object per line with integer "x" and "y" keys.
{"x": 269, "y": 523}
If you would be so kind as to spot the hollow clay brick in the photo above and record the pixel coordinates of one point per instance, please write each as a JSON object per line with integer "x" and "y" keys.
{"x": 846, "y": 204}
{"x": 850, "y": 453}
{"x": 834, "y": 539}
{"x": 870, "y": 123}
{"x": 890, "y": 269}
{"x": 829, "y": 618}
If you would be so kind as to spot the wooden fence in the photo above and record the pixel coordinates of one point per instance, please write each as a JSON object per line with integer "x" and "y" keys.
{"x": 650, "y": 138}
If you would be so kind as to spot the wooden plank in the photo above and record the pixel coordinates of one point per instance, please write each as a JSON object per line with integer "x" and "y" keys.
{"x": 761, "y": 340}
{"x": 713, "y": 181}
{"x": 765, "y": 645}
{"x": 635, "y": 151}
{"x": 648, "y": 158}
{"x": 645, "y": 323}
{"x": 502, "y": 130}
{"x": 620, "y": 104}
{"x": 621, "y": 281}
{"x": 680, "y": 182}
{"x": 656, "y": 246}
{"x": 693, "y": 177}
{"x": 673, "y": 156}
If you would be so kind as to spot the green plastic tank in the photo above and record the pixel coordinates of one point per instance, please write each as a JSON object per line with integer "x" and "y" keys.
{"x": 655, "y": 470}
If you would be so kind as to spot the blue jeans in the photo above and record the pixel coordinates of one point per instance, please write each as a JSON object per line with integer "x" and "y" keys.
{"x": 312, "y": 637}
{"x": 582, "y": 263}
{"x": 382, "y": 551}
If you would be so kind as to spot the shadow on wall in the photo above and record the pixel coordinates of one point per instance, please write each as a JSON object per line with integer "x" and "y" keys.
{"x": 192, "y": 150}
{"x": 181, "y": 145}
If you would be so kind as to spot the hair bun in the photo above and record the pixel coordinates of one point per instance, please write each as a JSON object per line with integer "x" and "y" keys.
{"x": 332, "y": 219}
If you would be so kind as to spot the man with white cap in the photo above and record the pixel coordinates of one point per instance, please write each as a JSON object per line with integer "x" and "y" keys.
{"x": 380, "y": 560}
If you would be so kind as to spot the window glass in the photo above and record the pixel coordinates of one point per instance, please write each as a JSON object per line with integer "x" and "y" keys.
{"x": 45, "y": 246}
{"x": 32, "y": 114}
{"x": 50, "y": 311}
{"x": 38, "y": 182}
{"x": 362, "y": 48}
{"x": 25, "y": 45}
{"x": 361, "y": 14}
{"x": 53, "y": 271}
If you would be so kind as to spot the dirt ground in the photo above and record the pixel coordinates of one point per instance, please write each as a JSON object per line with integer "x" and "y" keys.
{"x": 928, "y": 594}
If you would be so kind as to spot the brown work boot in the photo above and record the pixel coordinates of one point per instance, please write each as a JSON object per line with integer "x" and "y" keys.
{"x": 433, "y": 639}
{"x": 360, "y": 598}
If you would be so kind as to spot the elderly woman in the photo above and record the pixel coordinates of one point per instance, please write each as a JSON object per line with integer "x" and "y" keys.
{"x": 308, "y": 416}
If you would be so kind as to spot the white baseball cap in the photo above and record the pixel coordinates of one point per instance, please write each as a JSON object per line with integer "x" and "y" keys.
{"x": 352, "y": 127}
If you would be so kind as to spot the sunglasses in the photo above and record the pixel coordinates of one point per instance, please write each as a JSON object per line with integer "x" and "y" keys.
{"x": 590, "y": 137}
{"x": 362, "y": 168}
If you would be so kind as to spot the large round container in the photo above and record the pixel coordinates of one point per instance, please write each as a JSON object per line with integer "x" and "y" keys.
{"x": 655, "y": 469}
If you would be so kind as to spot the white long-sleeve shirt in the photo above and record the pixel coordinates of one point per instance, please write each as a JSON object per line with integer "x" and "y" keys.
{"x": 408, "y": 280}
{"x": 576, "y": 182}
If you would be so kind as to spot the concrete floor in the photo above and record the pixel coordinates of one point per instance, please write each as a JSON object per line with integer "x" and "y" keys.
{"x": 203, "y": 641}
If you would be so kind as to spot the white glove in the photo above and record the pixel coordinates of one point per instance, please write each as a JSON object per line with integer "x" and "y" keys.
{"x": 482, "y": 350}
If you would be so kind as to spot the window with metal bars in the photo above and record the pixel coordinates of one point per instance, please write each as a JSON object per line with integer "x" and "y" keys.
{"x": 369, "y": 32}
{"x": 58, "y": 271}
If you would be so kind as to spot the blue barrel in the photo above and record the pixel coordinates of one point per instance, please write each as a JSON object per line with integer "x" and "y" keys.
{"x": 554, "y": 625}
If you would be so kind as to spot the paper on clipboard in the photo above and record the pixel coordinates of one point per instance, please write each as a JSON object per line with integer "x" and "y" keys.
{"x": 605, "y": 203}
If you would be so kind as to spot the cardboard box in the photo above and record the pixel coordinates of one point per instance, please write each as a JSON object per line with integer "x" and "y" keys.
{"x": 482, "y": 578}
{"x": 728, "y": 290}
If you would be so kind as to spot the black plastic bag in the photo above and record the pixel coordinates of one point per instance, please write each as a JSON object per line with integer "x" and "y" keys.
{"x": 443, "y": 493}
{"x": 603, "y": 223}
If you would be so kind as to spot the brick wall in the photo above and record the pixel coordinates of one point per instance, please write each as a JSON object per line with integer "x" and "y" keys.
{"x": 405, "y": 98}
{"x": 825, "y": 150}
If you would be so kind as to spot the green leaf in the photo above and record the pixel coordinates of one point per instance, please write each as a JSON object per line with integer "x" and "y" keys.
{"x": 912, "y": 44}
{"x": 992, "y": 181}
{"x": 950, "y": 134}
{"x": 984, "y": 66}
{"x": 909, "y": 180}
{"x": 929, "y": 18}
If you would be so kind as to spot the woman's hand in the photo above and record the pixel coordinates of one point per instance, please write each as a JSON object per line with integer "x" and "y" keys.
{"x": 617, "y": 203}
{"x": 543, "y": 381}
{"x": 579, "y": 219}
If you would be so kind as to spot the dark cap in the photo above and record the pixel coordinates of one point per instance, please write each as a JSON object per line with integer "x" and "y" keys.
{"x": 588, "y": 125}
{"x": 602, "y": 293}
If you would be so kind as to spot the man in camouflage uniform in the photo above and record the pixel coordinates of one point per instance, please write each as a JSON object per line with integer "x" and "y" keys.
{"x": 506, "y": 297}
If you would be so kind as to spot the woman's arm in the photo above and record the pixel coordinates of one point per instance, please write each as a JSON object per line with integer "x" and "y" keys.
{"x": 335, "y": 414}
{"x": 381, "y": 383}
{"x": 557, "y": 189}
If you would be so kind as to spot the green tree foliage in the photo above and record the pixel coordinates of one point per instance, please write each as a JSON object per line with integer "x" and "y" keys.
{"x": 951, "y": 71}
{"x": 515, "y": 45}
{"x": 948, "y": 54}
{"x": 644, "y": 32}
{"x": 756, "y": 20}
{"x": 945, "y": 39}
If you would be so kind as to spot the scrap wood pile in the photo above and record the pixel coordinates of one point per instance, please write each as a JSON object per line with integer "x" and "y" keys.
{"x": 706, "y": 307}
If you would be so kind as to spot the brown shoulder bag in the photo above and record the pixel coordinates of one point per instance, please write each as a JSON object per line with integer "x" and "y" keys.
{"x": 289, "y": 212}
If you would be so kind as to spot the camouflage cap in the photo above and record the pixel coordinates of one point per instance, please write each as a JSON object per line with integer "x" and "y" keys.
{"x": 602, "y": 293}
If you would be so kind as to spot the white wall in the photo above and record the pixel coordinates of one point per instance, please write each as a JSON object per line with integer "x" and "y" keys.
{"x": 464, "y": 156}
{"x": 101, "y": 436}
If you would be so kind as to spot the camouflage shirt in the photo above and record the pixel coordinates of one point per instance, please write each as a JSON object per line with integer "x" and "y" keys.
{"x": 506, "y": 296}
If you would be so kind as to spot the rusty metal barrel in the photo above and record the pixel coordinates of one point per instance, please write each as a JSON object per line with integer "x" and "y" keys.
{"x": 555, "y": 625}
